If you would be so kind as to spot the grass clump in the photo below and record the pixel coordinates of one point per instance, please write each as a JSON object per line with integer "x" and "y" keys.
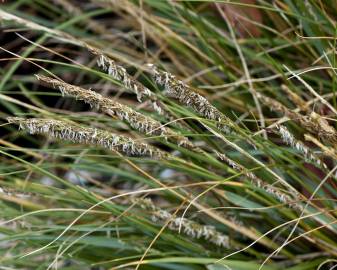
{"x": 168, "y": 135}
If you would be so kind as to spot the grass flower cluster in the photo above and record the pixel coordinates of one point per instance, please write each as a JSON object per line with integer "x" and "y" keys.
{"x": 189, "y": 227}
{"x": 179, "y": 90}
{"x": 68, "y": 131}
{"x": 138, "y": 121}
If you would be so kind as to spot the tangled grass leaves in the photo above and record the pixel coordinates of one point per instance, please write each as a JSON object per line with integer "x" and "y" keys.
{"x": 191, "y": 150}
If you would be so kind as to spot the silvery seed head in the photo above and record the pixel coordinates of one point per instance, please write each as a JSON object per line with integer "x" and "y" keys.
{"x": 79, "y": 134}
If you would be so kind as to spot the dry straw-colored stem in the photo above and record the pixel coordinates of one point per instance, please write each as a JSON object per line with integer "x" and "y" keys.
{"x": 91, "y": 136}
{"x": 136, "y": 120}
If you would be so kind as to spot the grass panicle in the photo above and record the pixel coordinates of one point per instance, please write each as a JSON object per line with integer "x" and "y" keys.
{"x": 189, "y": 227}
{"x": 79, "y": 134}
{"x": 177, "y": 89}
{"x": 291, "y": 201}
{"x": 136, "y": 120}
{"x": 309, "y": 155}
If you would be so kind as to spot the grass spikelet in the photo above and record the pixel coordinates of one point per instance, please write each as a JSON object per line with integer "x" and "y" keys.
{"x": 91, "y": 136}
{"x": 179, "y": 90}
{"x": 256, "y": 181}
{"x": 120, "y": 74}
{"x": 136, "y": 120}
{"x": 189, "y": 227}
{"x": 290, "y": 140}
{"x": 314, "y": 123}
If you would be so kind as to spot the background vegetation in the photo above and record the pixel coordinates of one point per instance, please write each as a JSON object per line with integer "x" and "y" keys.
{"x": 256, "y": 187}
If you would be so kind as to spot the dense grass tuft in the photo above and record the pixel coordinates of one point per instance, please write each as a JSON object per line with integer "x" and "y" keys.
{"x": 146, "y": 134}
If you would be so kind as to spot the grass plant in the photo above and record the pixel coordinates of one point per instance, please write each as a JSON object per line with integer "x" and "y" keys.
{"x": 188, "y": 135}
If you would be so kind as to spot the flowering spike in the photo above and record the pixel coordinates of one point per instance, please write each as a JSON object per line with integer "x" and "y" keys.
{"x": 256, "y": 181}
{"x": 111, "y": 107}
{"x": 289, "y": 139}
{"x": 179, "y": 90}
{"x": 92, "y": 136}
{"x": 189, "y": 227}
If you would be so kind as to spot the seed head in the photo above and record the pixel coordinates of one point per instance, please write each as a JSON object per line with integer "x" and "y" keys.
{"x": 179, "y": 90}
{"x": 91, "y": 136}
{"x": 290, "y": 140}
{"x": 189, "y": 227}
{"x": 256, "y": 181}
{"x": 136, "y": 120}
